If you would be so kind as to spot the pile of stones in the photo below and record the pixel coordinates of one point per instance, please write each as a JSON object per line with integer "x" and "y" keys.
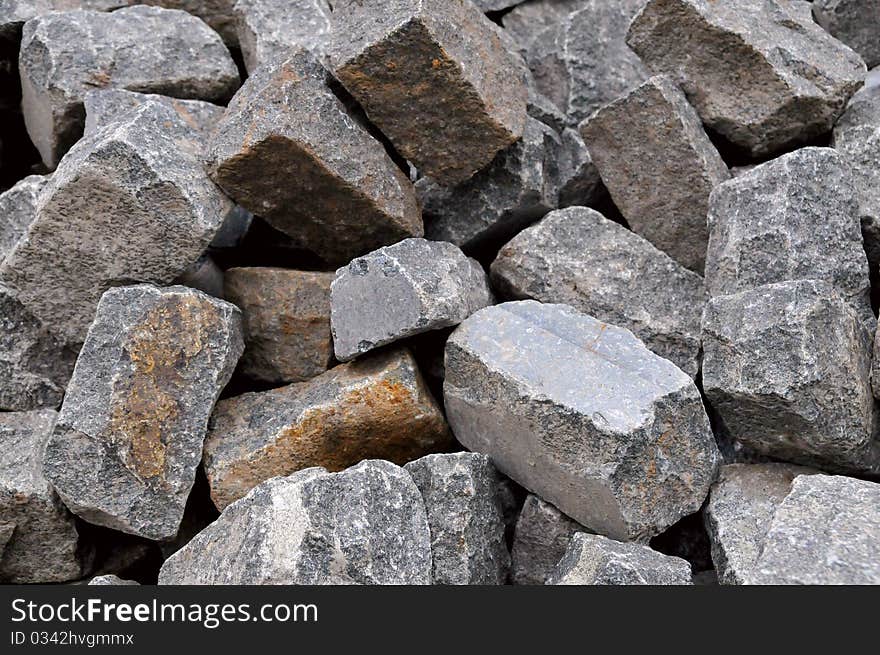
{"x": 421, "y": 292}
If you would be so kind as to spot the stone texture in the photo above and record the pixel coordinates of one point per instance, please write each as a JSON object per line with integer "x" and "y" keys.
{"x": 580, "y": 184}
{"x": 741, "y": 506}
{"x": 461, "y": 494}
{"x": 402, "y": 290}
{"x": 758, "y": 72}
{"x": 595, "y": 560}
{"x": 218, "y": 14}
{"x": 129, "y": 437}
{"x": 541, "y": 108}
{"x": 792, "y": 218}
{"x": 64, "y": 55}
{"x": 365, "y": 525}
{"x": 455, "y": 95}
{"x": 666, "y": 196}
{"x": 495, "y": 5}
{"x": 111, "y": 581}
{"x": 377, "y": 407}
{"x": 518, "y": 188}
{"x": 18, "y": 207}
{"x": 44, "y": 543}
{"x": 286, "y": 322}
{"x": 268, "y": 29}
{"x": 15, "y": 13}
{"x": 130, "y": 203}
{"x": 582, "y": 62}
{"x": 525, "y": 22}
{"x": 826, "y": 531}
{"x": 204, "y": 275}
{"x": 581, "y": 413}
{"x": 541, "y": 539}
{"x": 855, "y": 22}
{"x": 288, "y": 151}
{"x": 786, "y": 367}
{"x": 577, "y": 257}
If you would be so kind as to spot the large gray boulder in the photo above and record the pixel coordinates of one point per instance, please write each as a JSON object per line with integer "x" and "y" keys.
{"x": 581, "y": 413}
{"x": 365, "y": 525}
{"x": 130, "y": 433}
{"x": 15, "y": 13}
{"x": 268, "y": 29}
{"x": 541, "y": 538}
{"x": 218, "y": 14}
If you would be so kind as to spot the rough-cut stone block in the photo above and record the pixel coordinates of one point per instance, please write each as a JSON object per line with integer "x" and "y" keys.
{"x": 826, "y": 531}
{"x": 581, "y": 413}
{"x": 268, "y": 29}
{"x": 65, "y": 54}
{"x": 111, "y": 581}
{"x": 855, "y": 22}
{"x": 577, "y": 257}
{"x": 792, "y": 218}
{"x": 464, "y": 514}
{"x": 365, "y": 525}
{"x": 580, "y": 184}
{"x": 286, "y": 322}
{"x": 582, "y": 61}
{"x": 218, "y": 14}
{"x": 518, "y": 188}
{"x": 18, "y": 206}
{"x": 759, "y": 72}
{"x": 541, "y": 539}
{"x": 15, "y": 13}
{"x": 595, "y": 560}
{"x": 436, "y": 77}
{"x": 659, "y": 167}
{"x": 377, "y": 407}
{"x": 129, "y": 203}
{"x": 786, "y": 366}
{"x": 44, "y": 544}
{"x": 741, "y": 506}
{"x": 288, "y": 151}
{"x": 129, "y": 437}
{"x": 402, "y": 290}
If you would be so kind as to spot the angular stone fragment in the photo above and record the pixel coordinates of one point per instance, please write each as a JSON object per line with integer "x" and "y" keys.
{"x": 786, "y": 367}
{"x": 659, "y": 167}
{"x": 518, "y": 188}
{"x": 436, "y": 77}
{"x": 579, "y": 181}
{"x": 18, "y": 207}
{"x": 525, "y": 22}
{"x": 595, "y": 560}
{"x": 375, "y": 407}
{"x": 216, "y": 13}
{"x": 577, "y": 257}
{"x": 44, "y": 543}
{"x": 741, "y": 506}
{"x": 759, "y": 72}
{"x": 64, "y": 55}
{"x": 464, "y": 515}
{"x": 286, "y": 322}
{"x": 268, "y": 29}
{"x": 402, "y": 290}
{"x": 582, "y": 61}
{"x": 129, "y": 437}
{"x": 111, "y": 580}
{"x": 792, "y": 218}
{"x": 15, "y": 13}
{"x": 365, "y": 525}
{"x": 541, "y": 539}
{"x": 128, "y": 203}
{"x": 855, "y": 22}
{"x": 542, "y": 108}
{"x": 826, "y": 531}
{"x": 288, "y": 151}
{"x": 581, "y": 413}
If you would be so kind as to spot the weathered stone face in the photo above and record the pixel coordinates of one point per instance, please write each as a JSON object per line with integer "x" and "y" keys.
{"x": 267, "y": 29}
{"x": 786, "y": 366}
{"x": 740, "y": 509}
{"x": 665, "y": 197}
{"x": 218, "y": 14}
{"x": 541, "y": 539}
{"x": 377, "y": 407}
{"x": 402, "y": 290}
{"x": 792, "y": 218}
{"x": 41, "y": 539}
{"x": 453, "y": 95}
{"x": 286, "y": 320}
{"x": 129, "y": 437}
{"x": 15, "y": 13}
{"x": 580, "y": 184}
{"x": 288, "y": 151}
{"x": 826, "y": 531}
{"x": 64, "y": 55}
{"x": 577, "y": 257}
{"x": 365, "y": 525}
{"x": 595, "y": 560}
{"x": 854, "y": 22}
{"x": 581, "y": 413}
{"x": 18, "y": 207}
{"x": 759, "y": 72}
{"x": 528, "y": 20}
{"x": 461, "y": 494}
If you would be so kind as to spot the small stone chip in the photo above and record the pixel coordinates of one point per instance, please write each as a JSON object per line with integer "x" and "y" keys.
{"x": 541, "y": 539}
